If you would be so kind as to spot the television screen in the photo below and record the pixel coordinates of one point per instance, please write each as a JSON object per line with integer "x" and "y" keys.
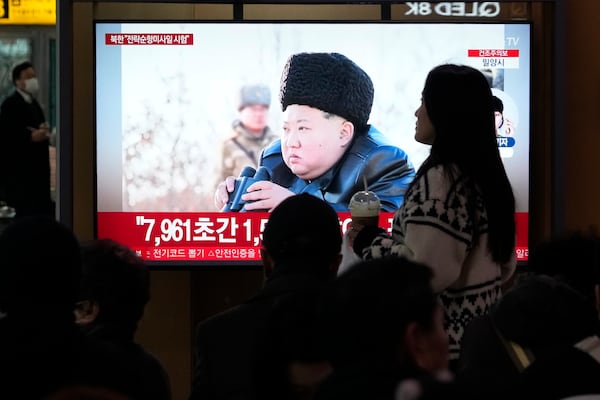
{"x": 168, "y": 93}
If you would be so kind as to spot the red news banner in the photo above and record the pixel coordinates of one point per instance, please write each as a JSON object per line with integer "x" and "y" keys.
{"x": 504, "y": 58}
{"x": 120, "y": 39}
{"x": 217, "y": 236}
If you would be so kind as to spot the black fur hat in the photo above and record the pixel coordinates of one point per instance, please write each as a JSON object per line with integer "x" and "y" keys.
{"x": 330, "y": 82}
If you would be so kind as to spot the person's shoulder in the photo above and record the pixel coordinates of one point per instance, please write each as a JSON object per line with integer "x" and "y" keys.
{"x": 375, "y": 142}
{"x": 228, "y": 144}
{"x": 12, "y": 99}
{"x": 567, "y": 372}
{"x": 437, "y": 173}
{"x": 235, "y": 328}
{"x": 249, "y": 312}
{"x": 376, "y": 136}
{"x": 444, "y": 174}
{"x": 124, "y": 366}
{"x": 150, "y": 363}
{"x": 353, "y": 382}
{"x": 436, "y": 181}
{"x": 382, "y": 143}
{"x": 13, "y": 95}
{"x": 273, "y": 149}
{"x": 234, "y": 133}
{"x": 220, "y": 321}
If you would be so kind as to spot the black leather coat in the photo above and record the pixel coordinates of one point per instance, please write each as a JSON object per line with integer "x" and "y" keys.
{"x": 386, "y": 167}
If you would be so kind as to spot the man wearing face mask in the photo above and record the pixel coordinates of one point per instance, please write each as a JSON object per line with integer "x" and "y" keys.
{"x": 24, "y": 149}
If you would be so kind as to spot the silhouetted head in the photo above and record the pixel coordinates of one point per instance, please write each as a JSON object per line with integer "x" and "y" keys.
{"x": 372, "y": 310}
{"x": 303, "y": 235}
{"x": 41, "y": 268}
{"x": 573, "y": 257}
{"x": 543, "y": 311}
{"x": 18, "y": 69}
{"x": 116, "y": 281}
{"x": 460, "y": 106}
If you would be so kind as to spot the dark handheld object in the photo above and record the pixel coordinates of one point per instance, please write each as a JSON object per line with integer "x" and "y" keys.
{"x": 247, "y": 177}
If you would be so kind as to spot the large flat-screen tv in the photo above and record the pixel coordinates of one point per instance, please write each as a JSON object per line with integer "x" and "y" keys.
{"x": 166, "y": 94}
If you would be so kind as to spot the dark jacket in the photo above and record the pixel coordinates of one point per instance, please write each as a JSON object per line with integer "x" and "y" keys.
{"x": 228, "y": 345}
{"x": 366, "y": 382}
{"x": 40, "y": 357}
{"x": 567, "y": 372}
{"x": 25, "y": 165}
{"x": 386, "y": 167}
{"x": 143, "y": 375}
{"x": 532, "y": 321}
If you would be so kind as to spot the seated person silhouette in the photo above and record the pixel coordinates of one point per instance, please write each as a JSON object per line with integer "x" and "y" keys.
{"x": 114, "y": 291}
{"x": 530, "y": 325}
{"x": 383, "y": 333}
{"x": 41, "y": 348}
{"x": 301, "y": 251}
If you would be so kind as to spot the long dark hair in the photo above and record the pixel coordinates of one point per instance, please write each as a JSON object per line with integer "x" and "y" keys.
{"x": 459, "y": 103}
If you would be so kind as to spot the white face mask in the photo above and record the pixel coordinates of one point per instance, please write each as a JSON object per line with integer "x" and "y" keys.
{"x": 31, "y": 85}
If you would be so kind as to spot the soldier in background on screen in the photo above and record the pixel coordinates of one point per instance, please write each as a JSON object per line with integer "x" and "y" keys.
{"x": 250, "y": 132}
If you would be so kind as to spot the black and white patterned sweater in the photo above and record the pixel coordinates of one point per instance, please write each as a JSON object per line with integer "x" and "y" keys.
{"x": 433, "y": 226}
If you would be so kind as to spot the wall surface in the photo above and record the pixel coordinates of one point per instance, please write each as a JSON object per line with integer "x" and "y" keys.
{"x": 165, "y": 329}
{"x": 582, "y": 115}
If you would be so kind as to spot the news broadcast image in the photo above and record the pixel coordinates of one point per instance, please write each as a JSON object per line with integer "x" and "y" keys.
{"x": 167, "y": 93}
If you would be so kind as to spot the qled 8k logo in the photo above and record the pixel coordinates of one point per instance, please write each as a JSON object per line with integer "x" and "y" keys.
{"x": 488, "y": 9}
